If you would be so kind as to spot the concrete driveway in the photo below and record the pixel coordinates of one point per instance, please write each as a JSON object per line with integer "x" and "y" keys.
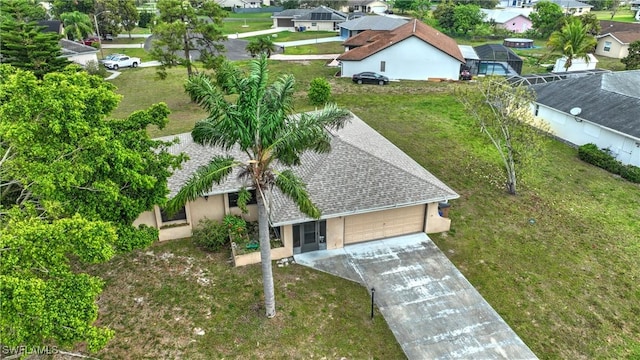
{"x": 433, "y": 311}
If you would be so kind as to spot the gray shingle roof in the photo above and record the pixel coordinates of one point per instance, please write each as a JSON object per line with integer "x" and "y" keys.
{"x": 373, "y": 23}
{"x": 611, "y": 100}
{"x": 70, "y": 48}
{"x": 364, "y": 172}
{"x": 313, "y": 14}
{"x": 571, "y": 4}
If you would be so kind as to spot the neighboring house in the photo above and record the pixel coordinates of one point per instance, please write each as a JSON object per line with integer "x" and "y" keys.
{"x": 413, "y": 51}
{"x": 248, "y": 4}
{"x": 365, "y": 6}
{"x": 577, "y": 64}
{"x": 635, "y": 5}
{"x": 356, "y": 26}
{"x": 600, "y": 108}
{"x": 573, "y": 7}
{"x": 615, "y": 38}
{"x": 55, "y": 26}
{"x": 321, "y": 18}
{"x": 78, "y": 52}
{"x": 507, "y": 19}
{"x": 365, "y": 186}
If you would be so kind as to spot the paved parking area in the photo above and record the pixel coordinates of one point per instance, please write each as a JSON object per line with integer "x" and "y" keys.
{"x": 433, "y": 311}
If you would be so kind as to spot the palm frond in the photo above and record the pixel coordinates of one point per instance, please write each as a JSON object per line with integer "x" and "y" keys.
{"x": 204, "y": 92}
{"x": 308, "y": 132}
{"x": 213, "y": 173}
{"x": 294, "y": 188}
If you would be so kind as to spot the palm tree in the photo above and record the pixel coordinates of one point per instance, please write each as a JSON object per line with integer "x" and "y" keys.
{"x": 573, "y": 40}
{"x": 261, "y": 45}
{"x": 76, "y": 24}
{"x": 257, "y": 120}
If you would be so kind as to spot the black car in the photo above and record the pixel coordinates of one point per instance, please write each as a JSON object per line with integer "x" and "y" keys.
{"x": 370, "y": 78}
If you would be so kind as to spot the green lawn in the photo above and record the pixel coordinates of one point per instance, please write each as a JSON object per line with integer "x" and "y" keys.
{"x": 622, "y": 15}
{"x": 233, "y": 27}
{"x": 558, "y": 261}
{"x": 321, "y": 48}
{"x": 304, "y": 35}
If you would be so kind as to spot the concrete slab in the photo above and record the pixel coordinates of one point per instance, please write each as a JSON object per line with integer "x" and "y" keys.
{"x": 433, "y": 311}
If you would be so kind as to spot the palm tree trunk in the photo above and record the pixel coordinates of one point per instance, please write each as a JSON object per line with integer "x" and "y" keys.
{"x": 265, "y": 258}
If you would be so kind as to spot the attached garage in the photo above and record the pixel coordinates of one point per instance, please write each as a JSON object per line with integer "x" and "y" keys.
{"x": 382, "y": 224}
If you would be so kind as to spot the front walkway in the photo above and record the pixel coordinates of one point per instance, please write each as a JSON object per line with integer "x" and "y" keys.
{"x": 433, "y": 311}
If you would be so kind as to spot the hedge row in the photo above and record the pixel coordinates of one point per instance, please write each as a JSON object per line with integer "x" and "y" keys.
{"x": 602, "y": 158}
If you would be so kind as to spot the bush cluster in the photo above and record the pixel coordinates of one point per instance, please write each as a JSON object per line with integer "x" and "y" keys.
{"x": 210, "y": 235}
{"x": 319, "y": 91}
{"x": 602, "y": 158}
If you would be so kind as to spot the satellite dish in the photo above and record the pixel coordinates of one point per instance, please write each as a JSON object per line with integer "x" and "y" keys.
{"x": 575, "y": 111}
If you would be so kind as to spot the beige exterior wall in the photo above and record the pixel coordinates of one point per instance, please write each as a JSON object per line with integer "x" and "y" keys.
{"x": 211, "y": 208}
{"x": 276, "y": 254}
{"x": 251, "y": 215}
{"x": 617, "y": 50}
{"x": 435, "y": 223}
{"x": 147, "y": 218}
{"x": 382, "y": 224}
{"x": 319, "y": 25}
{"x": 335, "y": 233}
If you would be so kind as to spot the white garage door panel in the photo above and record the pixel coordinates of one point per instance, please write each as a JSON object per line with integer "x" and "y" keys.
{"x": 383, "y": 224}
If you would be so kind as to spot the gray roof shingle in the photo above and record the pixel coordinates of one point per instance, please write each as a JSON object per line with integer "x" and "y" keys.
{"x": 373, "y": 23}
{"x": 364, "y": 172}
{"x": 611, "y": 100}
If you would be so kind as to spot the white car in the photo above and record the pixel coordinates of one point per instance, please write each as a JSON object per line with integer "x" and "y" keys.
{"x": 122, "y": 61}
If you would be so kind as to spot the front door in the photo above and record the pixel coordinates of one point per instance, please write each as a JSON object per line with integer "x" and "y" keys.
{"x": 309, "y": 236}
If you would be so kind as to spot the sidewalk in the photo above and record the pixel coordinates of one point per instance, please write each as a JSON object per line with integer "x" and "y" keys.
{"x": 256, "y": 33}
{"x": 285, "y": 57}
{"x": 122, "y": 46}
{"x": 309, "y": 41}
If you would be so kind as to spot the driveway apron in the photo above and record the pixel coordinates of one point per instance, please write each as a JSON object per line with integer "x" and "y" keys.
{"x": 433, "y": 311}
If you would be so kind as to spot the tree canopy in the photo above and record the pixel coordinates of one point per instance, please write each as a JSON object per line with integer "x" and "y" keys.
{"x": 503, "y": 113}
{"x": 259, "y": 120}
{"x": 185, "y": 26}
{"x": 261, "y": 45}
{"x": 546, "y": 18}
{"x": 573, "y": 41}
{"x": 76, "y": 25}
{"x": 632, "y": 60}
{"x": 23, "y": 44}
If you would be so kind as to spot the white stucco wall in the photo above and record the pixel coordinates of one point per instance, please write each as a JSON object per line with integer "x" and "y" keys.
{"x": 83, "y": 59}
{"x": 410, "y": 59}
{"x": 625, "y": 148}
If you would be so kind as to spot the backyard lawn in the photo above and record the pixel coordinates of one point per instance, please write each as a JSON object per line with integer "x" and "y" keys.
{"x": 558, "y": 261}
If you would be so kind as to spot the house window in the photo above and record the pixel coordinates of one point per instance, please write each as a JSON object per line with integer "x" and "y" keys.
{"x": 383, "y": 64}
{"x": 233, "y": 199}
{"x": 314, "y": 24}
{"x": 607, "y": 46}
{"x": 536, "y": 110}
{"x": 579, "y": 10}
{"x": 181, "y": 215}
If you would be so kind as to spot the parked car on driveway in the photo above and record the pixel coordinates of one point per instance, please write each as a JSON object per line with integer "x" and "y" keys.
{"x": 110, "y": 57}
{"x": 122, "y": 61}
{"x": 368, "y": 77}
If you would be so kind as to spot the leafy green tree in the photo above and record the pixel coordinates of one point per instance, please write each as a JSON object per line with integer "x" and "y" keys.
{"x": 261, "y": 45}
{"x": 75, "y": 160}
{"x": 319, "y": 91}
{"x": 421, "y": 8}
{"x": 23, "y": 44}
{"x": 467, "y": 18}
{"x": 259, "y": 120}
{"x": 114, "y": 16}
{"x": 546, "y": 18}
{"x": 66, "y": 6}
{"x": 145, "y": 19}
{"x": 22, "y": 11}
{"x": 503, "y": 114}
{"x": 632, "y": 61}
{"x": 291, "y": 4}
{"x": 129, "y": 15}
{"x": 76, "y": 25}
{"x": 185, "y": 26}
{"x": 403, "y": 5}
{"x": 43, "y": 300}
{"x": 573, "y": 41}
{"x": 444, "y": 13}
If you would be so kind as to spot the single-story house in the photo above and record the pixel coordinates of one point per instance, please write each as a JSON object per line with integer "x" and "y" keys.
{"x": 577, "y": 64}
{"x": 77, "y": 52}
{"x": 321, "y": 18}
{"x": 384, "y": 22}
{"x": 245, "y": 4}
{"x": 615, "y": 38}
{"x": 366, "y": 187}
{"x": 573, "y": 7}
{"x": 508, "y": 19}
{"x": 413, "y": 51}
{"x": 634, "y": 5}
{"x": 365, "y": 6}
{"x": 601, "y": 108}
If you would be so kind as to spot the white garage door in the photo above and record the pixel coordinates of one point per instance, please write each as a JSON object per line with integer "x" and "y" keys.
{"x": 382, "y": 224}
